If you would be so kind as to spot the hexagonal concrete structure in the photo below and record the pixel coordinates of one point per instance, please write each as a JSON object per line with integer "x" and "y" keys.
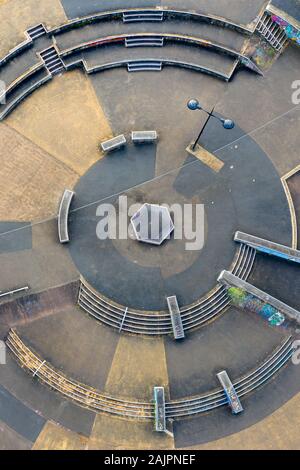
{"x": 152, "y": 224}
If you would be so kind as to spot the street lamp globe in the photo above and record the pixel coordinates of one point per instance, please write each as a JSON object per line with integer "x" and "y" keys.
{"x": 193, "y": 105}
{"x": 228, "y": 124}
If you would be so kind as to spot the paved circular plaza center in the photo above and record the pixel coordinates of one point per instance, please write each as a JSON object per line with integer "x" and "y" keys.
{"x": 152, "y": 224}
{"x": 246, "y": 194}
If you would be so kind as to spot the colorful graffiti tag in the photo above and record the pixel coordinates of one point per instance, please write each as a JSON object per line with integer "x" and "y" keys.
{"x": 292, "y": 33}
{"x": 242, "y": 299}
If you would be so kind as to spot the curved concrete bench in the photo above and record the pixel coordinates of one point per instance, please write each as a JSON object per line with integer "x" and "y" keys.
{"x": 95, "y": 401}
{"x": 31, "y": 35}
{"x": 16, "y": 51}
{"x": 167, "y": 13}
{"x": 143, "y": 64}
{"x": 132, "y": 65}
{"x": 12, "y": 104}
{"x": 148, "y": 65}
{"x": 16, "y": 83}
{"x": 63, "y": 215}
{"x": 179, "y": 38}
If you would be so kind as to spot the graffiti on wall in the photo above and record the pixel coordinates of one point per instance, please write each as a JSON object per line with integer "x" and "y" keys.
{"x": 242, "y": 299}
{"x": 291, "y": 32}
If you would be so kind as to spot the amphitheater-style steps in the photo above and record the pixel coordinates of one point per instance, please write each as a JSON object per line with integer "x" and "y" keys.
{"x": 144, "y": 41}
{"x": 193, "y": 316}
{"x": 27, "y": 58}
{"x": 250, "y": 382}
{"x": 137, "y": 16}
{"x": 177, "y": 52}
{"x": 94, "y": 400}
{"x": 144, "y": 66}
{"x": 227, "y": 37}
{"x": 36, "y": 31}
{"x": 52, "y": 61}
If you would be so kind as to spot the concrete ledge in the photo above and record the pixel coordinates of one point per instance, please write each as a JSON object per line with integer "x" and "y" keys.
{"x": 228, "y": 279}
{"x": 19, "y": 81}
{"x": 195, "y": 41}
{"x": 124, "y": 63}
{"x": 266, "y": 246}
{"x": 10, "y": 106}
{"x": 118, "y": 14}
{"x": 205, "y": 157}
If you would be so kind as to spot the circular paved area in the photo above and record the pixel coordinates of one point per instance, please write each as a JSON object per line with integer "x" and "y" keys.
{"x": 130, "y": 365}
{"x": 247, "y": 195}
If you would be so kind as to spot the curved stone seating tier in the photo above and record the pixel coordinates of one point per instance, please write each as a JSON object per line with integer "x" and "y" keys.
{"x": 22, "y": 86}
{"x": 21, "y": 90}
{"x": 92, "y": 399}
{"x": 20, "y": 80}
{"x": 236, "y": 57}
{"x": 168, "y": 13}
{"x": 213, "y": 65}
{"x": 121, "y": 38}
{"x": 31, "y": 35}
{"x": 247, "y": 384}
{"x": 146, "y": 64}
{"x": 138, "y": 322}
{"x": 211, "y": 32}
{"x": 166, "y": 37}
{"x": 23, "y": 46}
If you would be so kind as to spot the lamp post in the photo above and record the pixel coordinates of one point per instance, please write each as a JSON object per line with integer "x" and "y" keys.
{"x": 194, "y": 104}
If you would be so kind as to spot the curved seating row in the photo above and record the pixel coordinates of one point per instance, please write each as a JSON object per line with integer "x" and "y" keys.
{"x": 145, "y": 64}
{"x": 166, "y": 37}
{"x": 32, "y": 71}
{"x": 141, "y": 15}
{"x": 19, "y": 86}
{"x": 247, "y": 384}
{"x": 92, "y": 399}
{"x": 16, "y": 51}
{"x": 235, "y": 55}
{"x": 82, "y": 394}
{"x": 38, "y": 75}
{"x": 22, "y": 88}
{"x": 35, "y": 32}
{"x": 193, "y": 316}
{"x": 210, "y": 32}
